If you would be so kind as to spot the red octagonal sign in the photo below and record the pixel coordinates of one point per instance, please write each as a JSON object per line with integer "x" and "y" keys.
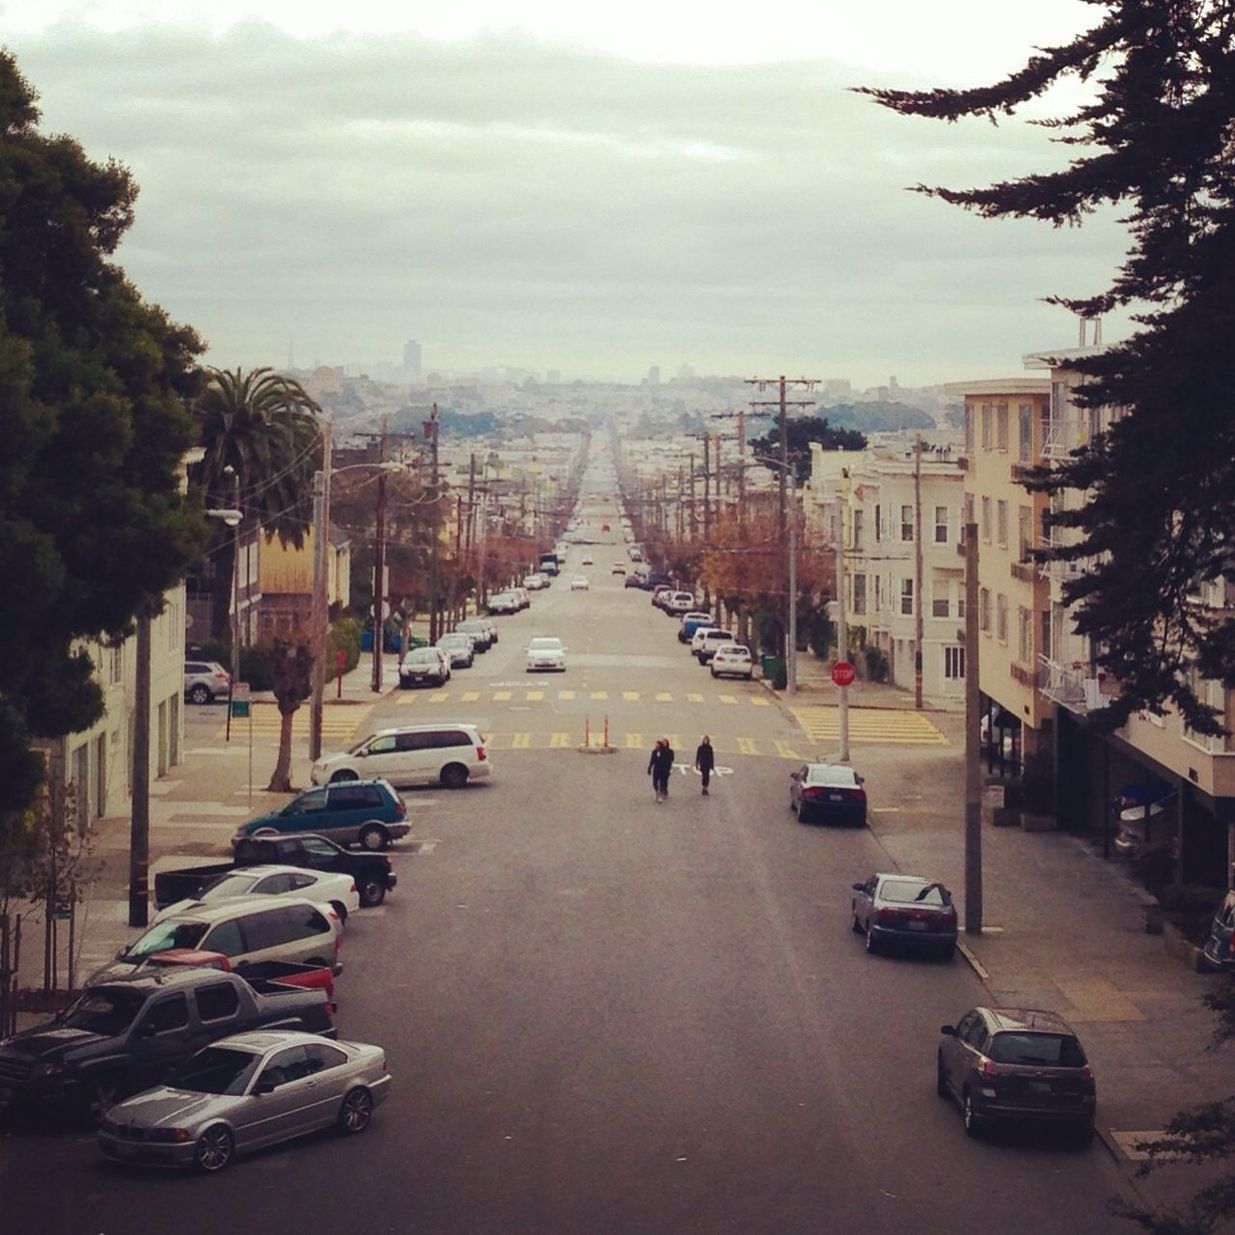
{"x": 843, "y": 673}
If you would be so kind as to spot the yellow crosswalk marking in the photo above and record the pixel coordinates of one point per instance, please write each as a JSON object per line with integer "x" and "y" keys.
{"x": 600, "y": 694}
{"x": 890, "y": 726}
{"x": 470, "y": 696}
{"x": 663, "y": 696}
{"x": 785, "y": 751}
{"x": 757, "y": 702}
{"x": 566, "y": 695}
{"x": 746, "y": 747}
{"x": 521, "y": 741}
{"x": 406, "y": 697}
{"x": 728, "y": 699}
{"x": 634, "y": 741}
{"x": 691, "y": 698}
{"x": 439, "y": 696}
{"x": 535, "y": 696}
{"x": 631, "y": 696}
{"x": 559, "y": 740}
{"x": 501, "y": 696}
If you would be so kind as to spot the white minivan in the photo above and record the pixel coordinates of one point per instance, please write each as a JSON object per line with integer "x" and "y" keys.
{"x": 444, "y": 753}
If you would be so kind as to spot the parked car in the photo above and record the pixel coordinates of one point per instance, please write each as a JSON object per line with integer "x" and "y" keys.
{"x": 536, "y": 581}
{"x": 830, "y": 792}
{"x": 546, "y": 652}
{"x": 365, "y": 812}
{"x": 579, "y": 583}
{"x": 504, "y": 602}
{"x": 372, "y": 872}
{"x": 246, "y": 929}
{"x": 635, "y": 581}
{"x": 587, "y": 560}
{"x": 1016, "y": 1064}
{"x": 636, "y": 554}
{"x": 287, "y": 973}
{"x": 691, "y": 621}
{"x": 442, "y": 753}
{"x": 733, "y": 660}
{"x": 245, "y": 1092}
{"x": 424, "y": 667}
{"x": 205, "y": 680}
{"x": 322, "y": 887}
{"x": 907, "y": 910}
{"x": 460, "y": 648}
{"x": 521, "y": 597}
{"x": 1219, "y": 950}
{"x": 678, "y": 604}
{"x": 121, "y": 1037}
{"x": 706, "y": 640}
{"x": 618, "y": 568}
{"x": 476, "y": 629}
{"x": 659, "y": 592}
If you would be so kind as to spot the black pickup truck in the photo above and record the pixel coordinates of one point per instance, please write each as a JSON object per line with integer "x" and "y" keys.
{"x": 372, "y": 871}
{"x": 124, "y": 1036}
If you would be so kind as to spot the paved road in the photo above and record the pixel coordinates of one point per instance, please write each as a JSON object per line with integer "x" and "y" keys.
{"x": 608, "y": 1016}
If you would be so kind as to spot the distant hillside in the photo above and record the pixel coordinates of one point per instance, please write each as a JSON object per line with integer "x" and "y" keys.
{"x": 877, "y": 416}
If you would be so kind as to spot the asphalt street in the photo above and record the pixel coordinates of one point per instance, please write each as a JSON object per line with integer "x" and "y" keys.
{"x": 607, "y": 1015}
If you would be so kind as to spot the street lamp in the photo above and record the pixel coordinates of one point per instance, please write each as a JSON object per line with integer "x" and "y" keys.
{"x": 232, "y": 517}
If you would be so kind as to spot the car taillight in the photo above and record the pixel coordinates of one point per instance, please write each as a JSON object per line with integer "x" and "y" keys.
{"x": 480, "y": 754}
{"x": 858, "y": 795}
{"x": 1087, "y": 1073}
{"x": 986, "y": 1067}
{"x": 887, "y": 916}
{"x": 353, "y": 888}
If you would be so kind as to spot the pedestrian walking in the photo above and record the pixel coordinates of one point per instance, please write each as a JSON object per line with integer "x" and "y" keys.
{"x": 659, "y": 767}
{"x": 705, "y": 761}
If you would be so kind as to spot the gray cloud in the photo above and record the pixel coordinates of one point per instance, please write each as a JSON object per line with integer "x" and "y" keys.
{"x": 505, "y": 200}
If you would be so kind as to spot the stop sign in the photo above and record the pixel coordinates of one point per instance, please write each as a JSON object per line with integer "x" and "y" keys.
{"x": 843, "y": 673}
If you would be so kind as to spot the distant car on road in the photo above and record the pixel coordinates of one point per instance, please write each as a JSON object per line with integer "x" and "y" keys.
{"x": 618, "y": 568}
{"x": 245, "y": 1092}
{"x": 478, "y": 630}
{"x": 587, "y": 561}
{"x": 504, "y": 602}
{"x": 546, "y": 652}
{"x": 1022, "y": 1064}
{"x": 460, "y": 648}
{"x": 579, "y": 583}
{"x": 733, "y": 660}
{"x": 678, "y": 604}
{"x": 906, "y": 910}
{"x": 828, "y": 791}
{"x": 635, "y": 581}
{"x": 424, "y": 667}
{"x": 204, "y": 680}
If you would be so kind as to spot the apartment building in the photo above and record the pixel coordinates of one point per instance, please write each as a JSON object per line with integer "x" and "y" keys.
{"x": 879, "y": 498}
{"x": 1007, "y": 430}
{"x": 1151, "y": 758}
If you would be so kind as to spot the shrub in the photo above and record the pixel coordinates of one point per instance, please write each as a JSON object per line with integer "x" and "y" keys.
{"x": 876, "y": 664}
{"x": 344, "y": 637}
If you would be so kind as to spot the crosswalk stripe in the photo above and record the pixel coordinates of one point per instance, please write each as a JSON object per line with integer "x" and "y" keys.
{"x": 631, "y": 696}
{"x": 634, "y": 741}
{"x": 759, "y": 703}
{"x": 566, "y": 695}
{"x": 470, "y": 696}
{"x": 559, "y": 740}
{"x": 501, "y": 696}
{"x": 663, "y": 696}
{"x": 890, "y": 726}
{"x": 600, "y": 694}
{"x": 520, "y": 741}
{"x": 746, "y": 747}
{"x": 535, "y": 696}
{"x": 785, "y": 751}
{"x": 439, "y": 696}
{"x": 690, "y": 698}
{"x": 728, "y": 699}
{"x": 631, "y": 741}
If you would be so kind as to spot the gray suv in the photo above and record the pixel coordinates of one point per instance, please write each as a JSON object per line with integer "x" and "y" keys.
{"x": 205, "y": 680}
{"x": 1016, "y": 1064}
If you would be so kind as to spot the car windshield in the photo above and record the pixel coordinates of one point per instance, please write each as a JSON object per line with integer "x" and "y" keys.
{"x": 421, "y": 656}
{"x": 545, "y": 645}
{"x": 237, "y": 884}
{"x": 216, "y": 1070}
{"x": 825, "y": 774}
{"x": 910, "y": 891}
{"x": 105, "y": 1010}
{"x": 1051, "y": 1050}
{"x": 174, "y": 933}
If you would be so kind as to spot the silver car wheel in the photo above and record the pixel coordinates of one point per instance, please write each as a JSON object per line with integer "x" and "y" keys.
{"x": 214, "y": 1149}
{"x": 102, "y": 1096}
{"x": 356, "y": 1111}
{"x": 971, "y": 1118}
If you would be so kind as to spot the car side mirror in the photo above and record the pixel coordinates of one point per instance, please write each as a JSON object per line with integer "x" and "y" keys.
{"x": 264, "y": 1087}
{"x": 124, "y": 951}
{"x": 794, "y": 775}
{"x": 948, "y": 1031}
{"x": 860, "y": 779}
{"x": 858, "y": 887}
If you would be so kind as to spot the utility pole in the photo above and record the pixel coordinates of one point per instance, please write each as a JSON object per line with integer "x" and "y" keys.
{"x": 235, "y": 656}
{"x": 379, "y": 563}
{"x": 694, "y": 520}
{"x": 431, "y": 428}
{"x": 139, "y": 820}
{"x": 320, "y": 608}
{"x": 973, "y": 754}
{"x": 791, "y": 666}
{"x": 842, "y": 636}
{"x": 707, "y": 488}
{"x": 918, "y": 598}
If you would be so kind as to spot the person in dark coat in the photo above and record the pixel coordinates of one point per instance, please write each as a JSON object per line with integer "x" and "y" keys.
{"x": 659, "y": 766}
{"x": 705, "y": 761}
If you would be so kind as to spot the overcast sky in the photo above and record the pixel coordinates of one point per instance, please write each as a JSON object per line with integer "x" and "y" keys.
{"x": 557, "y": 185}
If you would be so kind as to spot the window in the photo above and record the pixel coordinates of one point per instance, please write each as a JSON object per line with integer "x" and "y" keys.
{"x": 1048, "y": 1050}
{"x": 384, "y": 745}
{"x": 1001, "y": 522}
{"x": 984, "y": 610}
{"x": 455, "y": 737}
{"x": 986, "y": 519}
{"x": 1024, "y": 437}
{"x": 1046, "y": 634}
{"x": 314, "y": 800}
{"x": 1001, "y": 618}
{"x": 878, "y": 523}
{"x": 954, "y": 662}
{"x": 906, "y": 523}
{"x": 907, "y": 596}
{"x": 1001, "y": 426}
{"x": 274, "y": 885}
{"x": 217, "y": 1003}
{"x": 167, "y": 1015}
{"x": 354, "y": 797}
{"x": 1024, "y": 532}
{"x": 960, "y": 598}
{"x": 969, "y": 413}
{"x": 878, "y": 593}
{"x": 986, "y": 426}
{"x": 858, "y": 605}
{"x": 290, "y": 1064}
{"x": 226, "y": 938}
{"x": 116, "y": 665}
{"x": 414, "y": 741}
{"x": 857, "y": 529}
{"x": 1024, "y": 635}
{"x": 321, "y": 1056}
{"x": 941, "y": 525}
{"x": 939, "y": 599}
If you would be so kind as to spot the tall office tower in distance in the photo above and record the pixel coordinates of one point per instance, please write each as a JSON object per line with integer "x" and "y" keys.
{"x": 411, "y": 359}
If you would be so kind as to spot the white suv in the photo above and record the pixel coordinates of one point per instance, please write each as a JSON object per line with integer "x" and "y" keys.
{"x": 444, "y": 753}
{"x": 707, "y": 639}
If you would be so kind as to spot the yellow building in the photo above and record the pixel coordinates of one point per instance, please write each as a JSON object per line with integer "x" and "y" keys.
{"x": 285, "y": 579}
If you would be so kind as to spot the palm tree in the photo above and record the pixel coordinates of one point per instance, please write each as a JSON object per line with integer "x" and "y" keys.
{"x": 291, "y": 678}
{"x": 263, "y": 426}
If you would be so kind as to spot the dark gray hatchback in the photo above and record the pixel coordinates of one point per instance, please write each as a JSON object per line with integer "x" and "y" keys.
{"x": 1019, "y": 1064}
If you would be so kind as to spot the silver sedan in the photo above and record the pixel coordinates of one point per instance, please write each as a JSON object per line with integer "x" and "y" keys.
{"x": 246, "y": 1092}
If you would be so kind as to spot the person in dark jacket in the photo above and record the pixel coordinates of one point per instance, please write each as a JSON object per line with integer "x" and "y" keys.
{"x": 659, "y": 766}
{"x": 705, "y": 761}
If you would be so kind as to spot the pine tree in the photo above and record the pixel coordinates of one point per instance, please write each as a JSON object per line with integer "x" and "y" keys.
{"x": 1154, "y": 137}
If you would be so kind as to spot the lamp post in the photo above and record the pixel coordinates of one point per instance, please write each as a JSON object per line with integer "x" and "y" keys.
{"x": 232, "y": 517}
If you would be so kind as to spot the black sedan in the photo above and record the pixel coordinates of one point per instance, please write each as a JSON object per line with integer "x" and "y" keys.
{"x": 906, "y": 910}
{"x": 831, "y": 793}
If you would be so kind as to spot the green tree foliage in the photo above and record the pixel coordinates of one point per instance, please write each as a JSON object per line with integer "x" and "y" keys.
{"x": 263, "y": 426}
{"x": 92, "y": 385}
{"x": 1153, "y": 137}
{"x": 800, "y": 432}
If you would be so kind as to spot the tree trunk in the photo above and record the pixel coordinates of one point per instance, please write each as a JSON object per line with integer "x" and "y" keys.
{"x": 280, "y": 778}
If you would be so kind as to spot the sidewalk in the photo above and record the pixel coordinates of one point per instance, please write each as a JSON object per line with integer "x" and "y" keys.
{"x": 816, "y": 688}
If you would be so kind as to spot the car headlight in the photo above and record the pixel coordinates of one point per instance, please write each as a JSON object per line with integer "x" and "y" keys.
{"x": 170, "y": 1135}
{"x": 47, "y": 1069}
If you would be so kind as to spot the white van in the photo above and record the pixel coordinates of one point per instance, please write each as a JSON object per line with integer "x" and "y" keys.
{"x": 444, "y": 753}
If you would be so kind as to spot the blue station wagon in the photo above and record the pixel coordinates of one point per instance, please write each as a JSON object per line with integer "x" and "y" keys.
{"x": 369, "y": 813}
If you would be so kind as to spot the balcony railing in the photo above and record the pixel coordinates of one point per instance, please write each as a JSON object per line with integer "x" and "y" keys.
{"x": 1028, "y": 675}
{"x": 1073, "y": 686}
